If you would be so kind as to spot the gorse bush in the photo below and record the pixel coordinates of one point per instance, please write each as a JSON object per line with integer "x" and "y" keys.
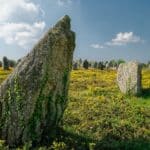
{"x": 4, "y": 74}
{"x": 98, "y": 110}
{"x": 99, "y": 117}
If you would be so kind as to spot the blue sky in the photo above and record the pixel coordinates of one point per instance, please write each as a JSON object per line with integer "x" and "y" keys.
{"x": 105, "y": 29}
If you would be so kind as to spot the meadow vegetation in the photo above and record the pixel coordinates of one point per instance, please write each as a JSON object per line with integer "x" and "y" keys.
{"x": 98, "y": 110}
{"x": 99, "y": 117}
{"x": 4, "y": 74}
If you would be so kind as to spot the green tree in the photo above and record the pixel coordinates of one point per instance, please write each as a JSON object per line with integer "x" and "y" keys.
{"x": 12, "y": 63}
{"x": 5, "y": 63}
{"x": 95, "y": 66}
{"x": 143, "y": 65}
{"x": 75, "y": 66}
{"x": 0, "y": 63}
{"x": 112, "y": 63}
{"x": 101, "y": 65}
{"x": 85, "y": 64}
{"x": 120, "y": 61}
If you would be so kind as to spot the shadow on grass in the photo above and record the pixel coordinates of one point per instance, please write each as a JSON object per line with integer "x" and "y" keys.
{"x": 127, "y": 144}
{"x": 79, "y": 142}
{"x": 74, "y": 141}
{"x": 146, "y": 93}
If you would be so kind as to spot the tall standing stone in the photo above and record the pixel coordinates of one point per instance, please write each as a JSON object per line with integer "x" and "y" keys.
{"x": 129, "y": 78}
{"x": 33, "y": 98}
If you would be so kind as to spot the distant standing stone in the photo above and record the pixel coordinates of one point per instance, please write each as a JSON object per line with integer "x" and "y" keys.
{"x": 129, "y": 78}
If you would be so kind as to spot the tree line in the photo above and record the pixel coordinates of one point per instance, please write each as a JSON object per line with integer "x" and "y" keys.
{"x": 7, "y": 63}
{"x": 112, "y": 64}
{"x": 78, "y": 64}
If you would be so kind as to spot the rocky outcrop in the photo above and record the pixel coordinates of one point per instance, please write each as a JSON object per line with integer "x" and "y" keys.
{"x": 129, "y": 78}
{"x": 33, "y": 98}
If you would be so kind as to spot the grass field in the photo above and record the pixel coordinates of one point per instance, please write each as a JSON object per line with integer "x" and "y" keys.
{"x": 4, "y": 74}
{"x": 99, "y": 117}
{"x": 99, "y": 111}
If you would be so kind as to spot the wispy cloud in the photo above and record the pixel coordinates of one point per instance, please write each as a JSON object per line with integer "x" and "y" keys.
{"x": 20, "y": 32}
{"x": 122, "y": 38}
{"x": 97, "y": 46}
{"x": 64, "y": 2}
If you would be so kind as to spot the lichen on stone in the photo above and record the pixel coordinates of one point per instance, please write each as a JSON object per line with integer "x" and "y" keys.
{"x": 34, "y": 97}
{"x": 129, "y": 78}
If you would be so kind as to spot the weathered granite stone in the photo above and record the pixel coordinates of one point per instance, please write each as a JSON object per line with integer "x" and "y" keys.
{"x": 33, "y": 98}
{"x": 129, "y": 78}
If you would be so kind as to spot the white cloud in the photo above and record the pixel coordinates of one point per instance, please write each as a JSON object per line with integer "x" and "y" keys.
{"x": 63, "y": 2}
{"x": 123, "y": 39}
{"x": 21, "y": 34}
{"x": 18, "y": 22}
{"x": 97, "y": 46}
{"x": 11, "y": 8}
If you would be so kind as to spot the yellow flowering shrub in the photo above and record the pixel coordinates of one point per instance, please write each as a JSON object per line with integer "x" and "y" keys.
{"x": 100, "y": 116}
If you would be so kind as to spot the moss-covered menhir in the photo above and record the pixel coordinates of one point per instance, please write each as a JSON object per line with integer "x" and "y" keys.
{"x": 33, "y": 98}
